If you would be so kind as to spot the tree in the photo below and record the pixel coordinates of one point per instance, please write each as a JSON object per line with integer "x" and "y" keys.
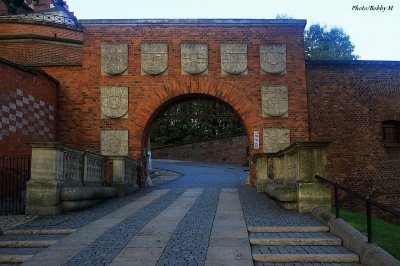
{"x": 322, "y": 42}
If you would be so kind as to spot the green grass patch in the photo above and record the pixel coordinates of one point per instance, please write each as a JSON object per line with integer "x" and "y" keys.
{"x": 385, "y": 234}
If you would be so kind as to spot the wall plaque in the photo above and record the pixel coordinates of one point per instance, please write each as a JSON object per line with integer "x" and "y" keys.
{"x": 276, "y": 139}
{"x": 194, "y": 58}
{"x": 154, "y": 58}
{"x": 114, "y": 58}
{"x": 273, "y": 58}
{"x": 274, "y": 100}
{"x": 234, "y": 58}
{"x": 256, "y": 139}
{"x": 114, "y": 101}
{"x": 114, "y": 142}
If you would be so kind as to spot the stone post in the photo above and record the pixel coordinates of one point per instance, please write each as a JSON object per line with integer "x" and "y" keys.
{"x": 44, "y": 187}
{"x": 312, "y": 161}
{"x": 261, "y": 163}
{"x": 124, "y": 175}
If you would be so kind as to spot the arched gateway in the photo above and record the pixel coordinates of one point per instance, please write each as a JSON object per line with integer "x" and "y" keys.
{"x": 134, "y": 68}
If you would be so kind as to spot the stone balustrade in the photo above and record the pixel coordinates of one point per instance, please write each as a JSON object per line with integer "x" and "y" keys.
{"x": 288, "y": 176}
{"x": 64, "y": 178}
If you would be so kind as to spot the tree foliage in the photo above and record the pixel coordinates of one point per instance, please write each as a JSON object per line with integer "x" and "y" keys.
{"x": 321, "y": 42}
{"x": 192, "y": 121}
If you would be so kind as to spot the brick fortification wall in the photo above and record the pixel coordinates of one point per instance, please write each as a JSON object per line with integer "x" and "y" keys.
{"x": 348, "y": 101}
{"x": 226, "y": 150}
{"x": 27, "y": 108}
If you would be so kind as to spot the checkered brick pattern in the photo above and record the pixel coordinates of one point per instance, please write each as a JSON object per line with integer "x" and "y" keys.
{"x": 32, "y": 117}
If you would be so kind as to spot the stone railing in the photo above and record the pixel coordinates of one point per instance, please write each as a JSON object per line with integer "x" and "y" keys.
{"x": 64, "y": 178}
{"x": 288, "y": 176}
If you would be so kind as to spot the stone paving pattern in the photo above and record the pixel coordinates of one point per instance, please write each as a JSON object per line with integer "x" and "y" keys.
{"x": 189, "y": 242}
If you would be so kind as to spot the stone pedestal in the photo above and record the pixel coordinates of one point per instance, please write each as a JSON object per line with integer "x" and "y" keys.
{"x": 44, "y": 187}
{"x": 124, "y": 175}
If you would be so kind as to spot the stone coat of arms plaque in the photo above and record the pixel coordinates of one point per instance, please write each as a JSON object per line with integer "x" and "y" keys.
{"x": 274, "y": 100}
{"x": 114, "y": 142}
{"x": 154, "y": 58}
{"x": 273, "y": 58}
{"x": 276, "y": 139}
{"x": 114, "y": 58}
{"x": 234, "y": 58}
{"x": 114, "y": 101}
{"x": 194, "y": 58}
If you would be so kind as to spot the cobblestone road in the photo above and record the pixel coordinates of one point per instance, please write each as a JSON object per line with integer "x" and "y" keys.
{"x": 110, "y": 233}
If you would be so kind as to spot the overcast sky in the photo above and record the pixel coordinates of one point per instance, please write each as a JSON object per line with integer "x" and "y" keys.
{"x": 375, "y": 33}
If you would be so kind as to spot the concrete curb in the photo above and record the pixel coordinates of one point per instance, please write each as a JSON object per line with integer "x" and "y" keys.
{"x": 370, "y": 254}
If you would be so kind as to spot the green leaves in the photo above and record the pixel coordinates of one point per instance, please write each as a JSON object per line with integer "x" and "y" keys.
{"x": 321, "y": 43}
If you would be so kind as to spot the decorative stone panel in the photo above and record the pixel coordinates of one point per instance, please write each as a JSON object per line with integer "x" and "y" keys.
{"x": 194, "y": 58}
{"x": 273, "y": 58}
{"x": 22, "y": 113}
{"x": 234, "y": 58}
{"x": 114, "y": 142}
{"x": 154, "y": 58}
{"x": 114, "y": 102}
{"x": 276, "y": 139}
{"x": 114, "y": 58}
{"x": 274, "y": 101}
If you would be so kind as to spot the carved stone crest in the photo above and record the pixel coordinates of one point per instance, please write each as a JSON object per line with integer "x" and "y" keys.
{"x": 274, "y": 100}
{"x": 276, "y": 139}
{"x": 154, "y": 58}
{"x": 114, "y": 101}
{"x": 194, "y": 58}
{"x": 114, "y": 58}
{"x": 114, "y": 142}
{"x": 273, "y": 58}
{"x": 234, "y": 58}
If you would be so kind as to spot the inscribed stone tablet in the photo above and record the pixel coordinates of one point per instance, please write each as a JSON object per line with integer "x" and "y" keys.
{"x": 114, "y": 101}
{"x": 114, "y": 58}
{"x": 276, "y": 139}
{"x": 114, "y": 142}
{"x": 154, "y": 58}
{"x": 234, "y": 58}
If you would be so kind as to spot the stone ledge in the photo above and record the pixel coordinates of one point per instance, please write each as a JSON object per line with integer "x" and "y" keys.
{"x": 370, "y": 254}
{"x": 282, "y": 192}
{"x": 86, "y": 193}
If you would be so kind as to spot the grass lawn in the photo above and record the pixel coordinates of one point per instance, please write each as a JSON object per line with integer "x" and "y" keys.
{"x": 385, "y": 234}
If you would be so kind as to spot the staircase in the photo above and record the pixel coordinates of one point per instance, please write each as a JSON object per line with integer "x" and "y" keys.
{"x": 18, "y": 246}
{"x": 303, "y": 245}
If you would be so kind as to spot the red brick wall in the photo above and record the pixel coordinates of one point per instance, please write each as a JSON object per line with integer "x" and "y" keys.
{"x": 14, "y": 28}
{"x": 347, "y": 103}
{"x": 225, "y": 150}
{"x": 27, "y": 107}
{"x": 149, "y": 94}
{"x": 40, "y": 45}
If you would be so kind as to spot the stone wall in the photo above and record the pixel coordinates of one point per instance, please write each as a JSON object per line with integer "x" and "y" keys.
{"x": 226, "y": 150}
{"x": 27, "y": 108}
{"x": 347, "y": 103}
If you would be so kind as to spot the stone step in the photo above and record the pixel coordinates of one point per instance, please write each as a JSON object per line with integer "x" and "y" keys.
{"x": 295, "y": 242}
{"x": 287, "y": 229}
{"x": 27, "y": 244}
{"x": 39, "y": 232}
{"x": 14, "y": 259}
{"x": 294, "y": 239}
{"x": 303, "y": 254}
{"x": 306, "y": 258}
